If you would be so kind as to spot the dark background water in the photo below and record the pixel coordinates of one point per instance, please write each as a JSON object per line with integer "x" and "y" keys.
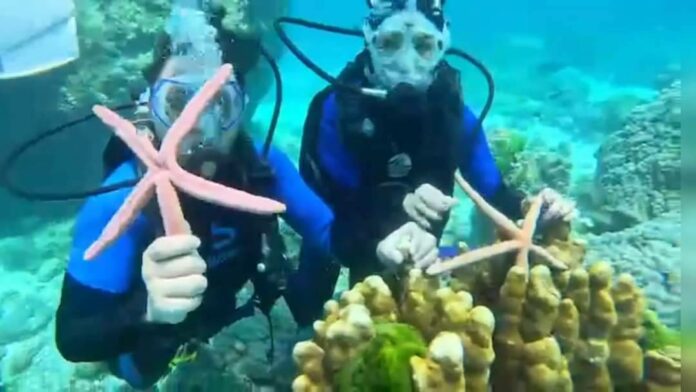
{"x": 628, "y": 42}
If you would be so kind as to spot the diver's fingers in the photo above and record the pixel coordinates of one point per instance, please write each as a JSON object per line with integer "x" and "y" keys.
{"x": 439, "y": 202}
{"x": 172, "y": 246}
{"x": 422, "y": 245}
{"x": 429, "y": 259}
{"x": 417, "y": 217}
{"x": 426, "y": 211}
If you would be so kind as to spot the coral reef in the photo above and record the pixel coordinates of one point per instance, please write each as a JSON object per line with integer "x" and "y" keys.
{"x": 643, "y": 160}
{"x": 542, "y": 167}
{"x": 117, "y": 39}
{"x": 580, "y": 329}
{"x": 664, "y": 370}
{"x": 530, "y": 166}
{"x": 359, "y": 352}
{"x": 651, "y": 253}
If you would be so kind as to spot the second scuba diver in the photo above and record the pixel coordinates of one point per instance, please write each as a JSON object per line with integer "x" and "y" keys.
{"x": 383, "y": 161}
{"x": 148, "y": 295}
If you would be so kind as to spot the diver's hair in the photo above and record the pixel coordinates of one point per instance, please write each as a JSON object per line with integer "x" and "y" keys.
{"x": 242, "y": 52}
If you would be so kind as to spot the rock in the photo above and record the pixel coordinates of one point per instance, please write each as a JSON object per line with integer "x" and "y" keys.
{"x": 638, "y": 166}
{"x": 22, "y": 315}
{"x": 20, "y": 358}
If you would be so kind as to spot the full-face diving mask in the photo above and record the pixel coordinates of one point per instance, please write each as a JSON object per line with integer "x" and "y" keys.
{"x": 405, "y": 46}
{"x": 169, "y": 97}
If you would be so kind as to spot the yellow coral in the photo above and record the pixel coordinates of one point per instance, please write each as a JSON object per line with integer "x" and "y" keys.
{"x": 508, "y": 339}
{"x": 309, "y": 358}
{"x": 567, "y": 328}
{"x": 378, "y": 298}
{"x": 477, "y": 338}
{"x": 663, "y": 370}
{"x": 442, "y": 370}
{"x": 418, "y": 307}
{"x": 541, "y": 306}
{"x": 626, "y": 360}
{"x": 545, "y": 367}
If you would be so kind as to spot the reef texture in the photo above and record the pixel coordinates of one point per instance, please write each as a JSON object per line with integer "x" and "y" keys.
{"x": 366, "y": 341}
{"x": 117, "y": 38}
{"x": 650, "y": 252}
{"x": 638, "y": 166}
{"x": 531, "y": 167}
{"x": 577, "y": 330}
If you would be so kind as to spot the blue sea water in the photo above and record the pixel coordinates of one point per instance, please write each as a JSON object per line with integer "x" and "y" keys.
{"x": 561, "y": 68}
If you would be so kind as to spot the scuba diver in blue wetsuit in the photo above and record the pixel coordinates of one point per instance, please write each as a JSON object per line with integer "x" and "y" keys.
{"x": 382, "y": 143}
{"x": 149, "y": 296}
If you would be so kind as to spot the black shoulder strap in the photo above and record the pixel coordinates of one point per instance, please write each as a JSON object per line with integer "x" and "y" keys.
{"x": 310, "y": 136}
{"x": 115, "y": 153}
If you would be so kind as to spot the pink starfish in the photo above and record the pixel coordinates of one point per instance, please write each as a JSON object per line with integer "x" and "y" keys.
{"x": 521, "y": 238}
{"x": 164, "y": 173}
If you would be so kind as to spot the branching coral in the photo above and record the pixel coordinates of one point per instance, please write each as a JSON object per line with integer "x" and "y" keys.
{"x": 386, "y": 353}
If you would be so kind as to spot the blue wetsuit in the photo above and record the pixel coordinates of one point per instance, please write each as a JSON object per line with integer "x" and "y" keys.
{"x": 100, "y": 317}
{"x": 363, "y": 156}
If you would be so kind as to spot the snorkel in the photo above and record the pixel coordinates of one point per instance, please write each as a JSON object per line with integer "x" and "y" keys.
{"x": 433, "y": 11}
{"x": 141, "y": 114}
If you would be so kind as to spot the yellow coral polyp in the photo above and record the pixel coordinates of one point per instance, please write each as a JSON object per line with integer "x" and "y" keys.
{"x": 442, "y": 370}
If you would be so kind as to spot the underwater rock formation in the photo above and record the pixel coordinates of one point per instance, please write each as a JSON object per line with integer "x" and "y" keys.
{"x": 651, "y": 253}
{"x": 528, "y": 166}
{"x": 117, "y": 39}
{"x": 638, "y": 167}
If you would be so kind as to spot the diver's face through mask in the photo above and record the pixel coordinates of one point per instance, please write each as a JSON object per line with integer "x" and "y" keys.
{"x": 217, "y": 126}
{"x": 405, "y": 48}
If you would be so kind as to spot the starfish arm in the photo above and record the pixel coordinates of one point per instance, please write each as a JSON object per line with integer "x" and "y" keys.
{"x": 224, "y": 196}
{"x": 192, "y": 111}
{"x": 474, "y": 256}
{"x": 531, "y": 218}
{"x": 125, "y": 215}
{"x": 502, "y": 221}
{"x": 126, "y": 131}
{"x": 546, "y": 255}
{"x": 170, "y": 207}
{"x": 522, "y": 258}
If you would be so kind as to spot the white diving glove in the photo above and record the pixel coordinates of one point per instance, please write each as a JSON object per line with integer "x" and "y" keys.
{"x": 427, "y": 204}
{"x": 410, "y": 241}
{"x": 173, "y": 274}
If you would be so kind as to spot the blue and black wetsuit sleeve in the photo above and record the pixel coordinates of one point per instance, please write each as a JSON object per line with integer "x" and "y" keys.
{"x": 305, "y": 212}
{"x": 103, "y": 301}
{"x": 478, "y": 167}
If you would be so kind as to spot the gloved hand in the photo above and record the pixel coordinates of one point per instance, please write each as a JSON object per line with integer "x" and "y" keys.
{"x": 409, "y": 241}
{"x": 555, "y": 207}
{"x": 427, "y": 204}
{"x": 173, "y": 274}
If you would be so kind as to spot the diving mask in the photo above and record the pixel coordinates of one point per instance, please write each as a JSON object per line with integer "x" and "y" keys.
{"x": 169, "y": 97}
{"x": 405, "y": 47}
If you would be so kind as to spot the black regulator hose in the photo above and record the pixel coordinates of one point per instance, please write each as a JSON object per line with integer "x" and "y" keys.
{"x": 303, "y": 58}
{"x": 278, "y": 25}
{"x": 7, "y": 166}
{"x": 12, "y": 188}
{"x": 278, "y": 101}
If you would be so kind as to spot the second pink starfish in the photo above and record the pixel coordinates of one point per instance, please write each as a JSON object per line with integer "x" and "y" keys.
{"x": 520, "y": 239}
{"x": 164, "y": 173}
